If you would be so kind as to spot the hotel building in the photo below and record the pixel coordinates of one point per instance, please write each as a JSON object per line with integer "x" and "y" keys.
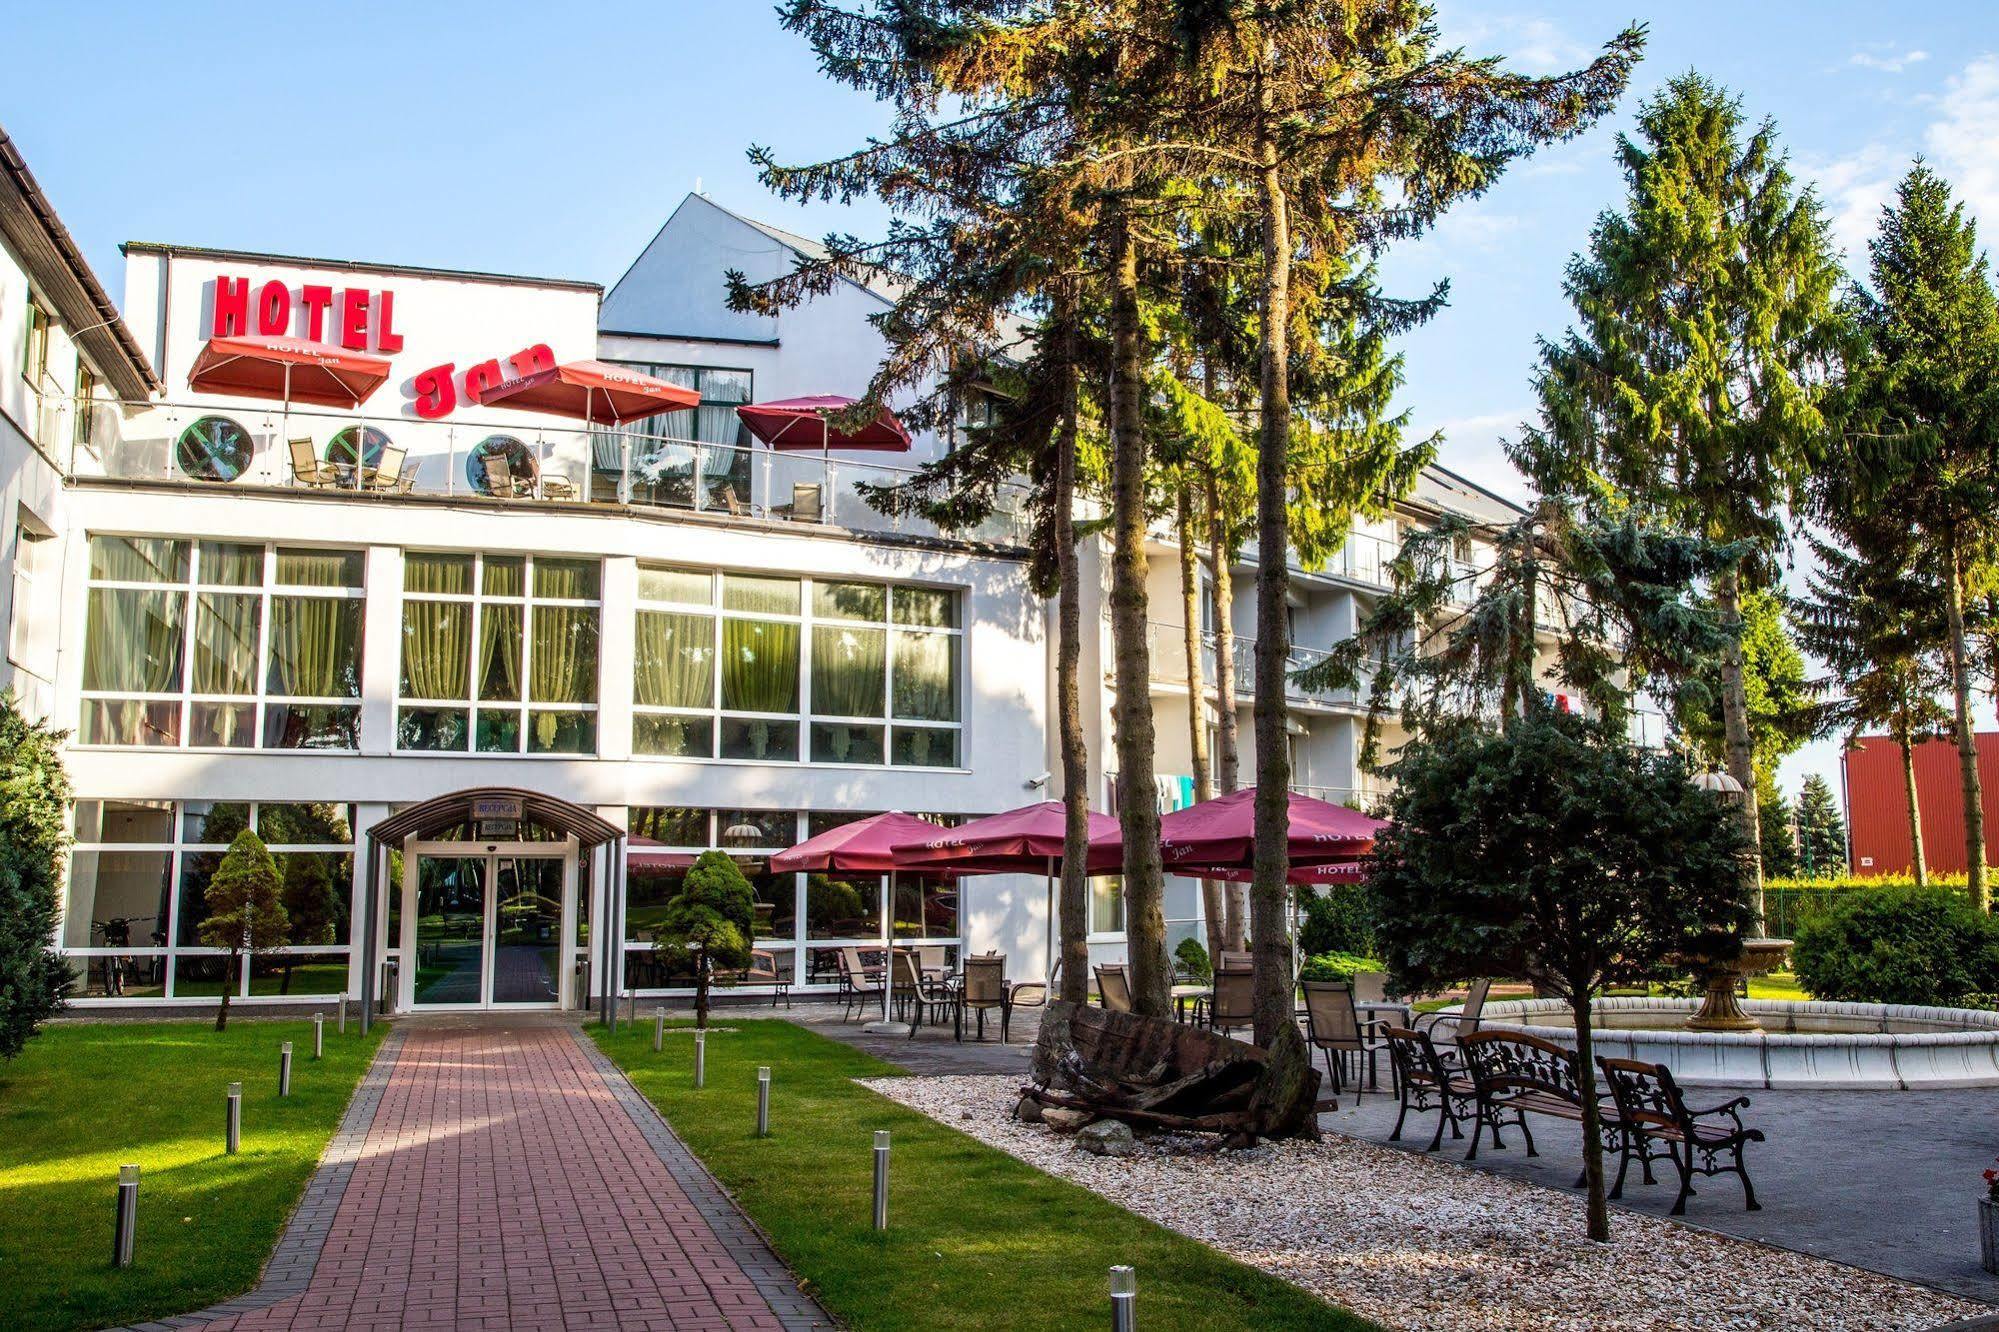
{"x": 535, "y": 663}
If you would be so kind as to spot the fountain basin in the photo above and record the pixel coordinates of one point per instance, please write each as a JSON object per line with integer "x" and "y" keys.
{"x": 1801, "y": 1043}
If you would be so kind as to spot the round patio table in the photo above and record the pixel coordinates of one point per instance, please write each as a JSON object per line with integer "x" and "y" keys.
{"x": 1182, "y": 993}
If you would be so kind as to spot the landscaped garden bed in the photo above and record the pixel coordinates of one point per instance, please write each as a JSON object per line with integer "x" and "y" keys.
{"x": 1417, "y": 1243}
{"x": 83, "y": 1099}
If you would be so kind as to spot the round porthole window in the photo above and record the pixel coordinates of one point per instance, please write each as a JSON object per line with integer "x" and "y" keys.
{"x": 499, "y": 465}
{"x": 366, "y": 440}
{"x": 214, "y": 448}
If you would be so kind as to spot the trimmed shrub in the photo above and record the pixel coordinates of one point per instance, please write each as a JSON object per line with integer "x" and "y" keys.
{"x": 1193, "y": 960}
{"x": 1338, "y": 920}
{"x": 1898, "y": 946}
{"x": 1337, "y": 966}
{"x": 34, "y": 799}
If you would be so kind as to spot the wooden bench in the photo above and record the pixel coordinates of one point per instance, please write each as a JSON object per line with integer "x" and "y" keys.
{"x": 1652, "y": 1111}
{"x": 1514, "y": 1073}
{"x": 1425, "y": 1079}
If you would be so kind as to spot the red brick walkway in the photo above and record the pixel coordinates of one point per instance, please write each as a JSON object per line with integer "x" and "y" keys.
{"x": 506, "y": 1184}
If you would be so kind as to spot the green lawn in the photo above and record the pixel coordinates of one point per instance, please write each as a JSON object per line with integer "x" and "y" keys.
{"x": 976, "y": 1238}
{"x": 82, "y": 1099}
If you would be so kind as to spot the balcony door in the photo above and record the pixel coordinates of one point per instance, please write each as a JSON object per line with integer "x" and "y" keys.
{"x": 488, "y": 926}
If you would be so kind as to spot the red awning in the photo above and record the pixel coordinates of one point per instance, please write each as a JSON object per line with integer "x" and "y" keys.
{"x": 593, "y": 391}
{"x": 287, "y": 369}
{"x": 1020, "y": 841}
{"x": 804, "y": 423}
{"x": 1216, "y": 836}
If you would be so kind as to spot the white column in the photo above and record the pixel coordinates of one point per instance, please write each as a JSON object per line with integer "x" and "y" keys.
{"x": 366, "y": 816}
{"x": 616, "y": 646}
{"x": 382, "y": 640}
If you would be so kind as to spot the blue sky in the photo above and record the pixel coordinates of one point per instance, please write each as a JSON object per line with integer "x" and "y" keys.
{"x": 522, "y": 139}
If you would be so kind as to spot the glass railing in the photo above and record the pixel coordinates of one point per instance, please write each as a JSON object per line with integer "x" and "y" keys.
{"x": 315, "y": 451}
{"x": 1168, "y": 649}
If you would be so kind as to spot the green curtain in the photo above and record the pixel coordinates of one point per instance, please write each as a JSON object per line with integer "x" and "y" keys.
{"x": 752, "y": 592}
{"x": 759, "y": 666}
{"x": 564, "y": 668}
{"x": 316, "y": 568}
{"x": 572, "y": 580}
{"x": 315, "y": 647}
{"x": 504, "y": 576}
{"x": 926, "y": 677}
{"x": 849, "y": 668}
{"x": 447, "y": 574}
{"x": 688, "y": 587}
{"x": 437, "y": 638}
{"x": 499, "y": 653}
{"x": 673, "y": 664}
{"x": 231, "y": 565}
{"x": 225, "y": 642}
{"x": 134, "y": 640}
{"x": 138, "y": 559}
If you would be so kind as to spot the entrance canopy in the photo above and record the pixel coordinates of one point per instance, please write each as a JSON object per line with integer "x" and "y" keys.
{"x": 446, "y": 813}
{"x": 288, "y": 369}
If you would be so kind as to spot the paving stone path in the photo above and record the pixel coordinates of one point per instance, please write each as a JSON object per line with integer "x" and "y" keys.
{"x": 505, "y": 1176}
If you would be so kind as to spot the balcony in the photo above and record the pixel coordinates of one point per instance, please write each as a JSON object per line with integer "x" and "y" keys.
{"x": 326, "y": 454}
{"x": 1168, "y": 647}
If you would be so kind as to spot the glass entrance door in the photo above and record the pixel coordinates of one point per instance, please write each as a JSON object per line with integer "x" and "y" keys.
{"x": 488, "y": 930}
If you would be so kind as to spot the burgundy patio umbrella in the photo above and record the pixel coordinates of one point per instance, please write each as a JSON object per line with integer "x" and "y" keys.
{"x": 1216, "y": 837}
{"x": 1027, "y": 840}
{"x": 786, "y": 424}
{"x": 287, "y": 368}
{"x": 865, "y": 846}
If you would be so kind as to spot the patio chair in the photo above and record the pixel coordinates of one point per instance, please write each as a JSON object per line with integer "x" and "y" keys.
{"x": 1232, "y": 1005}
{"x": 859, "y": 986}
{"x": 500, "y": 480}
{"x": 984, "y": 991}
{"x": 807, "y": 503}
{"x": 935, "y": 959}
{"x": 386, "y": 476}
{"x": 1427, "y": 1078}
{"x": 1034, "y": 993}
{"x": 1235, "y": 962}
{"x": 1466, "y": 1019}
{"x": 922, "y": 994}
{"x": 1334, "y": 1025}
{"x": 308, "y": 469}
{"x": 763, "y": 970}
{"x": 1113, "y": 990}
{"x": 736, "y": 508}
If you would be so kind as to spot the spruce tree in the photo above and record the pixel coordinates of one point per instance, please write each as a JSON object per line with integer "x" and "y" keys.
{"x": 1927, "y": 436}
{"x": 246, "y": 910}
{"x": 1821, "y": 831}
{"x": 34, "y": 834}
{"x": 1697, "y": 378}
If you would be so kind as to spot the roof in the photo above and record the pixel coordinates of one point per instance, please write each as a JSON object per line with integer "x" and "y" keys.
{"x": 1441, "y": 488}
{"x": 61, "y": 275}
{"x": 358, "y": 265}
{"x": 444, "y": 812}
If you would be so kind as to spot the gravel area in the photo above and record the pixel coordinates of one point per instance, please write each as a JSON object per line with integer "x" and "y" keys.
{"x": 1418, "y": 1243}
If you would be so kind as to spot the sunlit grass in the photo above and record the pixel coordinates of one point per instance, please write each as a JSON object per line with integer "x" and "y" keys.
{"x": 84, "y": 1099}
{"x": 977, "y": 1239}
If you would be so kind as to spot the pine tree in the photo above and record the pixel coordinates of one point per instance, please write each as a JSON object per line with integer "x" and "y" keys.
{"x": 1821, "y": 831}
{"x": 1777, "y": 822}
{"x": 1782, "y": 707}
{"x": 1927, "y": 442}
{"x": 246, "y": 910}
{"x": 1697, "y": 381}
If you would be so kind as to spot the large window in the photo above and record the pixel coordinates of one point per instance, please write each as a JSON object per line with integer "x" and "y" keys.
{"x": 748, "y": 666}
{"x": 137, "y": 895}
{"x": 221, "y": 645}
{"x": 499, "y": 654}
{"x": 666, "y": 468}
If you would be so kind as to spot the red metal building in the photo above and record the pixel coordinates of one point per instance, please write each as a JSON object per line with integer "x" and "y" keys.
{"x": 1877, "y": 808}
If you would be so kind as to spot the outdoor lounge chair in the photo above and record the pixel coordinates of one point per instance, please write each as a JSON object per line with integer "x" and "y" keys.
{"x": 1466, "y": 1019}
{"x": 1334, "y": 1025}
{"x": 859, "y": 986}
{"x": 984, "y": 991}
{"x": 308, "y": 469}
{"x": 922, "y": 994}
{"x": 1113, "y": 991}
{"x": 500, "y": 480}
{"x": 386, "y": 477}
{"x": 1232, "y": 1005}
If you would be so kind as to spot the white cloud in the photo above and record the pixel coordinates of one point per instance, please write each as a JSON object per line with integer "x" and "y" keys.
{"x": 1854, "y": 188}
{"x": 1964, "y": 143}
{"x": 1472, "y": 448}
{"x": 1890, "y": 62}
{"x": 1529, "y": 44}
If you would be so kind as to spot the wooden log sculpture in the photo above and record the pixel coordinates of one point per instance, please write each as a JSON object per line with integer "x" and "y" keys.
{"x": 1162, "y": 1074}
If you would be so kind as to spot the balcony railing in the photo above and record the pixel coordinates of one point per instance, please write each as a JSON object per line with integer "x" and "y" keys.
{"x": 1168, "y": 647}
{"x": 321, "y": 452}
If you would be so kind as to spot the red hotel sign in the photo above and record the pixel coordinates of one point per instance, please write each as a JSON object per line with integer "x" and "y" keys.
{"x": 272, "y": 307}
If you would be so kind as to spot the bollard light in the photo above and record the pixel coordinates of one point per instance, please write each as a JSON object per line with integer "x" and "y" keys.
{"x": 343, "y": 1015}
{"x": 700, "y": 1060}
{"x": 319, "y": 1035}
{"x": 233, "y": 1134}
{"x": 659, "y": 1029}
{"x": 125, "y": 1228}
{"x": 1124, "y": 1299}
{"x": 881, "y": 1179}
{"x": 763, "y": 1100}
{"x": 285, "y": 1069}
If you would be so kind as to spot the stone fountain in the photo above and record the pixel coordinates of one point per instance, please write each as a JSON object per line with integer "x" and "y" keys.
{"x": 1721, "y": 1009}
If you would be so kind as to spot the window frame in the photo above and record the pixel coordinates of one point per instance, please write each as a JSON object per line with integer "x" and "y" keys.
{"x": 809, "y": 621}
{"x": 190, "y": 589}
{"x": 524, "y": 707}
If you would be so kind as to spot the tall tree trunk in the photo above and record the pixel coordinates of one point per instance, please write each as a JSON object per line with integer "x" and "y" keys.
{"x": 1596, "y": 1210}
{"x": 1905, "y": 737}
{"x": 1967, "y": 743}
{"x": 228, "y": 988}
{"x": 1197, "y": 695}
{"x": 1739, "y": 748}
{"x": 1270, "y": 934}
{"x": 1138, "y": 809}
{"x": 1075, "y": 897}
{"x": 1221, "y": 573}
